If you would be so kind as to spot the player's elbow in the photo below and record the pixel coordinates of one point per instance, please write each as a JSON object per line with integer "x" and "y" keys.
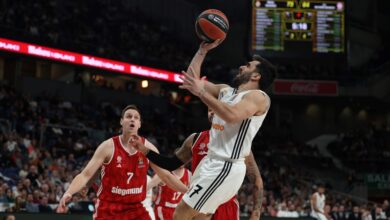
{"x": 85, "y": 175}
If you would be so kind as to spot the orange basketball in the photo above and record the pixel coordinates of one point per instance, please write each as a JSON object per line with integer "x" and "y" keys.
{"x": 211, "y": 25}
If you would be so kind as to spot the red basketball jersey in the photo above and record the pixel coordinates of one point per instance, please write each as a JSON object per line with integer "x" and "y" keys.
{"x": 123, "y": 179}
{"x": 199, "y": 149}
{"x": 168, "y": 197}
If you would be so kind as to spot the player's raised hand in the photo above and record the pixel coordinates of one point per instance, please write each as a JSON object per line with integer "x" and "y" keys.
{"x": 136, "y": 142}
{"x": 205, "y": 47}
{"x": 62, "y": 205}
{"x": 192, "y": 84}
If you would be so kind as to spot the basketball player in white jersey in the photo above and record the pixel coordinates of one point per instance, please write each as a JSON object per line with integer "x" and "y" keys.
{"x": 239, "y": 113}
{"x": 148, "y": 202}
{"x": 317, "y": 202}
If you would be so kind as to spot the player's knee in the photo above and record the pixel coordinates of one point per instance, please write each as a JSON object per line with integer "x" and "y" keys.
{"x": 179, "y": 211}
{"x": 202, "y": 216}
{"x": 184, "y": 211}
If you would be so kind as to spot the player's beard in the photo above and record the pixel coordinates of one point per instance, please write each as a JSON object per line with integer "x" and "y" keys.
{"x": 241, "y": 79}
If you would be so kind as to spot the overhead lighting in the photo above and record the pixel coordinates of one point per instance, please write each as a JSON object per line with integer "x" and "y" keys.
{"x": 144, "y": 84}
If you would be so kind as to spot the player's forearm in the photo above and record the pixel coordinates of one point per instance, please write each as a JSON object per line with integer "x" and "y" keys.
{"x": 257, "y": 191}
{"x": 77, "y": 184}
{"x": 176, "y": 185}
{"x": 92, "y": 180}
{"x": 172, "y": 181}
{"x": 196, "y": 62}
{"x": 258, "y": 195}
{"x": 254, "y": 176}
{"x": 221, "y": 109}
{"x": 260, "y": 191}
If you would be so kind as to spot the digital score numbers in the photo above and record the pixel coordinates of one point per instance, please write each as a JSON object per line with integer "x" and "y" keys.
{"x": 298, "y": 26}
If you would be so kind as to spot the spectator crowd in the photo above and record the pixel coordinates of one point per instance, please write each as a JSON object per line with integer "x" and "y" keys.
{"x": 138, "y": 37}
{"x": 367, "y": 149}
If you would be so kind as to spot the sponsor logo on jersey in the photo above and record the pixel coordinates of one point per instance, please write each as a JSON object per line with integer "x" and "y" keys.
{"x": 202, "y": 152}
{"x": 141, "y": 162}
{"x": 119, "y": 161}
{"x": 124, "y": 192}
{"x": 202, "y": 145}
{"x": 218, "y": 127}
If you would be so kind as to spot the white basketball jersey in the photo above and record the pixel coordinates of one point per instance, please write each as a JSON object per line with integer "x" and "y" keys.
{"x": 233, "y": 140}
{"x": 320, "y": 200}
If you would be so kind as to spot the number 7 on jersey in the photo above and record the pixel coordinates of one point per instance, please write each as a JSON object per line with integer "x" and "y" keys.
{"x": 130, "y": 174}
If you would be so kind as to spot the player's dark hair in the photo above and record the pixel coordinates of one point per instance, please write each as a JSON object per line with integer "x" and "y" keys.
{"x": 134, "y": 107}
{"x": 322, "y": 185}
{"x": 267, "y": 71}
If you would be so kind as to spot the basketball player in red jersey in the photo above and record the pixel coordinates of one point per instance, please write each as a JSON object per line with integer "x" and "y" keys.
{"x": 195, "y": 148}
{"x": 167, "y": 199}
{"x": 123, "y": 174}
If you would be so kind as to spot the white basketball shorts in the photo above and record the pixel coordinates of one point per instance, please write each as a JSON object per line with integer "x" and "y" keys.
{"x": 214, "y": 182}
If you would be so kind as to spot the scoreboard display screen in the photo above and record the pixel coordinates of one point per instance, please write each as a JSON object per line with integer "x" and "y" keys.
{"x": 298, "y": 27}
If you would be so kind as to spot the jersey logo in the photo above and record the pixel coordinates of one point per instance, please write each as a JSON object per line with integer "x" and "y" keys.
{"x": 140, "y": 162}
{"x": 202, "y": 145}
{"x": 119, "y": 161}
{"x": 202, "y": 152}
{"x": 218, "y": 127}
{"x": 125, "y": 192}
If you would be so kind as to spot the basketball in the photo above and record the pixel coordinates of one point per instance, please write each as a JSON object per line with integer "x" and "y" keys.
{"x": 211, "y": 25}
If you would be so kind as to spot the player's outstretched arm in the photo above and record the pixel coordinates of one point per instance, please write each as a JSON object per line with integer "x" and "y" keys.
{"x": 251, "y": 104}
{"x": 182, "y": 156}
{"x": 153, "y": 182}
{"x": 253, "y": 174}
{"x": 208, "y": 86}
{"x": 104, "y": 151}
{"x": 167, "y": 177}
{"x": 196, "y": 64}
{"x": 197, "y": 60}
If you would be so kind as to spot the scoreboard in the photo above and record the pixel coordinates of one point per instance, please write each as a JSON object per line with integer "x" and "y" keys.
{"x": 298, "y": 27}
